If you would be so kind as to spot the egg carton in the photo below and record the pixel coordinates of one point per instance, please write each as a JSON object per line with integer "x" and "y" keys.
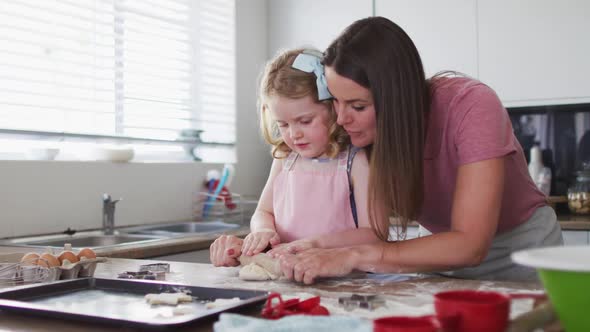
{"x": 13, "y": 271}
{"x": 80, "y": 269}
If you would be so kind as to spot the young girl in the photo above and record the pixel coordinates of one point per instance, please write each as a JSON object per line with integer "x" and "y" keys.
{"x": 443, "y": 153}
{"x": 314, "y": 187}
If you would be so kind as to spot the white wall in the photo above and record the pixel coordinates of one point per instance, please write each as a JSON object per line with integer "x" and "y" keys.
{"x": 49, "y": 196}
{"x": 444, "y": 32}
{"x": 297, "y": 23}
{"x": 44, "y": 197}
{"x": 253, "y": 154}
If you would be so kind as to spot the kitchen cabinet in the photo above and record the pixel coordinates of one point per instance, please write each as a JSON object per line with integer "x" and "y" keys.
{"x": 530, "y": 52}
{"x": 535, "y": 52}
{"x": 444, "y": 32}
{"x": 576, "y": 237}
{"x": 197, "y": 256}
{"x": 299, "y": 23}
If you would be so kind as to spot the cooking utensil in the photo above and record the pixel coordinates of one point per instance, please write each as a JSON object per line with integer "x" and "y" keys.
{"x": 145, "y": 275}
{"x": 472, "y": 310}
{"x": 540, "y": 317}
{"x": 369, "y": 302}
{"x": 460, "y": 311}
{"x": 122, "y": 302}
{"x": 289, "y": 307}
{"x": 224, "y": 175}
{"x": 156, "y": 267}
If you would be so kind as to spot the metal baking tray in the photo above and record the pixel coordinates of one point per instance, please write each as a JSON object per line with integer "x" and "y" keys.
{"x": 121, "y": 302}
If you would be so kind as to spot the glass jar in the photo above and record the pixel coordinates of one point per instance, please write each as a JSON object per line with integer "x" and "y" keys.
{"x": 578, "y": 195}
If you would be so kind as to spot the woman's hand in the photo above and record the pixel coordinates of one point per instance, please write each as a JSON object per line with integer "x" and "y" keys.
{"x": 312, "y": 263}
{"x": 294, "y": 247}
{"x": 256, "y": 242}
{"x": 225, "y": 250}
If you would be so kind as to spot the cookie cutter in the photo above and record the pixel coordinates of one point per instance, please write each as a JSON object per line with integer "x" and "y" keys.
{"x": 146, "y": 275}
{"x": 279, "y": 308}
{"x": 370, "y": 302}
{"x": 156, "y": 267}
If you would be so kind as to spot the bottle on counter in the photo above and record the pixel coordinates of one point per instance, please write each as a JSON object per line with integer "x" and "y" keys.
{"x": 540, "y": 174}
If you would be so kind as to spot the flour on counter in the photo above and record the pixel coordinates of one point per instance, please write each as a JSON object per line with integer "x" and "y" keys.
{"x": 218, "y": 275}
{"x": 415, "y": 306}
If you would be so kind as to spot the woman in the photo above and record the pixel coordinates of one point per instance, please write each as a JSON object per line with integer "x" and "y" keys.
{"x": 442, "y": 152}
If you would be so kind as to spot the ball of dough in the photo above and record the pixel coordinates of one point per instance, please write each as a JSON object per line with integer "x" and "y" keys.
{"x": 255, "y": 272}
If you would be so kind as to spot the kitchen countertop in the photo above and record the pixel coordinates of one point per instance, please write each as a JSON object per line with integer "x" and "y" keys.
{"x": 155, "y": 248}
{"x": 570, "y": 222}
{"x": 567, "y": 222}
{"x": 406, "y": 297}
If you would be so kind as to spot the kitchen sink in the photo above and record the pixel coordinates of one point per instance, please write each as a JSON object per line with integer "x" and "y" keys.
{"x": 91, "y": 241}
{"x": 127, "y": 235}
{"x": 191, "y": 227}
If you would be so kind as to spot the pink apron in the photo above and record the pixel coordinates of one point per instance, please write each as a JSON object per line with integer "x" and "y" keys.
{"x": 310, "y": 203}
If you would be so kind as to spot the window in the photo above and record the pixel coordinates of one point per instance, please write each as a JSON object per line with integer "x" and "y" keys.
{"x": 139, "y": 71}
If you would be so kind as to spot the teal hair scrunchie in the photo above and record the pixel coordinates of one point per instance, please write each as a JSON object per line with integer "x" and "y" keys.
{"x": 312, "y": 64}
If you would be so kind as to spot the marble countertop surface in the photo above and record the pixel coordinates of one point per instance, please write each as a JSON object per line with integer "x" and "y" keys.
{"x": 403, "y": 294}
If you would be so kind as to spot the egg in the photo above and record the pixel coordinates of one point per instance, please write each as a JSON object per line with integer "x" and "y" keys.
{"x": 30, "y": 258}
{"x": 86, "y": 253}
{"x": 48, "y": 260}
{"x": 42, "y": 263}
{"x": 67, "y": 257}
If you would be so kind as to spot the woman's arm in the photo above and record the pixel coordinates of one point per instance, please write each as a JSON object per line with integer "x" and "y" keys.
{"x": 335, "y": 240}
{"x": 475, "y": 214}
{"x": 474, "y": 218}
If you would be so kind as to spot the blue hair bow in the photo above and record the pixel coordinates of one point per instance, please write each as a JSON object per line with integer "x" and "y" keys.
{"x": 312, "y": 64}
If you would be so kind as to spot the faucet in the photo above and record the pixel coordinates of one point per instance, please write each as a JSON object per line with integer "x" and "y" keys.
{"x": 108, "y": 214}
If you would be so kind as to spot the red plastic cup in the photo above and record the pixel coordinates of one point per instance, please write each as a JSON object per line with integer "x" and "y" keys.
{"x": 406, "y": 324}
{"x": 470, "y": 310}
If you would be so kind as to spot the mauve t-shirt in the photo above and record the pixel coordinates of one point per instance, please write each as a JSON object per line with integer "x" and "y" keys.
{"x": 467, "y": 123}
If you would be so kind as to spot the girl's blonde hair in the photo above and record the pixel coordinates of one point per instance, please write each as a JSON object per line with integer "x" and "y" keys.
{"x": 280, "y": 79}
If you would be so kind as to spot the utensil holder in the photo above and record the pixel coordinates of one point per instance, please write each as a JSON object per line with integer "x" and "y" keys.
{"x": 225, "y": 208}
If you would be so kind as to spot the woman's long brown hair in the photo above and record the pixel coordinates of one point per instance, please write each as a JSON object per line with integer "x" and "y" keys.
{"x": 378, "y": 55}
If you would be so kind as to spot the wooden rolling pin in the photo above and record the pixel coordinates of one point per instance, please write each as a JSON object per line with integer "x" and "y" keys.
{"x": 542, "y": 316}
{"x": 270, "y": 264}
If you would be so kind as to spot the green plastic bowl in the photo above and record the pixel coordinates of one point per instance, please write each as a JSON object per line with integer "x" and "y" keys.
{"x": 565, "y": 273}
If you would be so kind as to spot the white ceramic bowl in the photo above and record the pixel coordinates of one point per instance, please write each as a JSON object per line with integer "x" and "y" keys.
{"x": 563, "y": 258}
{"x": 115, "y": 154}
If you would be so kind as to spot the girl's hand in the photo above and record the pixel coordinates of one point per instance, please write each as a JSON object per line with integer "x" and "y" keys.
{"x": 225, "y": 250}
{"x": 312, "y": 263}
{"x": 256, "y": 242}
{"x": 294, "y": 247}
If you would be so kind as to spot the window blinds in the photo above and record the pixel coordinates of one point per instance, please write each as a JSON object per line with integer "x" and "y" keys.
{"x": 138, "y": 68}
